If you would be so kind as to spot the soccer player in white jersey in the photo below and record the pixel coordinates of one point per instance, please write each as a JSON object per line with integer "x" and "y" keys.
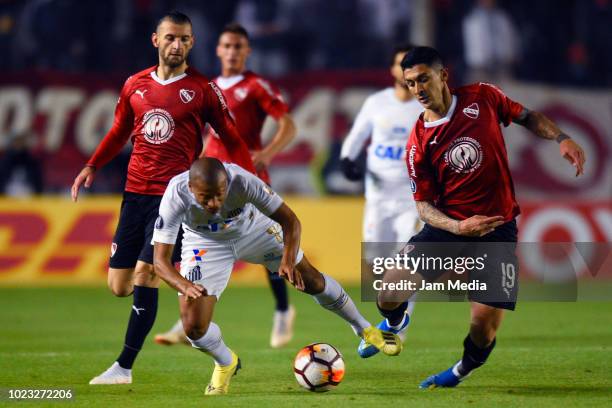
{"x": 387, "y": 118}
{"x": 228, "y": 215}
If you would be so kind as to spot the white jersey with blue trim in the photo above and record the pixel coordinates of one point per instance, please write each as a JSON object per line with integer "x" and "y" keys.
{"x": 388, "y": 121}
{"x": 247, "y": 198}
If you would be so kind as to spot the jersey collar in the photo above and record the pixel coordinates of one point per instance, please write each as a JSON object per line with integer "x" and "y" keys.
{"x": 446, "y": 118}
{"x": 169, "y": 80}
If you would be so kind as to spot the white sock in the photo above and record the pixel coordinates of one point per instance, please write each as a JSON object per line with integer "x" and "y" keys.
{"x": 212, "y": 344}
{"x": 334, "y": 298}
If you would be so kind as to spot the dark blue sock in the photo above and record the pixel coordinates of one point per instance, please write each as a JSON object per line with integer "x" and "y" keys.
{"x": 144, "y": 310}
{"x": 394, "y": 316}
{"x": 473, "y": 356}
{"x": 279, "y": 289}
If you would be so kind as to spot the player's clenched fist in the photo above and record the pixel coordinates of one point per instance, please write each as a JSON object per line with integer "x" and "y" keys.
{"x": 479, "y": 225}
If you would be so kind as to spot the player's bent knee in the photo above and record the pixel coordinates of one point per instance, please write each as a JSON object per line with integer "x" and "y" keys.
{"x": 314, "y": 282}
{"x": 194, "y": 330}
{"x": 144, "y": 275}
{"x": 120, "y": 282}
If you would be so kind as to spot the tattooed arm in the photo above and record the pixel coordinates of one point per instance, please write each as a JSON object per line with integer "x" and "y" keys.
{"x": 475, "y": 226}
{"x": 545, "y": 128}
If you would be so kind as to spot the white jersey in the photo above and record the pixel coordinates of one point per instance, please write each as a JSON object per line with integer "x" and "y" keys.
{"x": 246, "y": 197}
{"x": 388, "y": 121}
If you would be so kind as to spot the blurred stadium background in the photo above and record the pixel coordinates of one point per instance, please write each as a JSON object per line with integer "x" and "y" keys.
{"x": 64, "y": 61}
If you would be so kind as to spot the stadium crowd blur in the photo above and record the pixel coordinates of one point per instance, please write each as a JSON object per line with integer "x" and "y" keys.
{"x": 557, "y": 42}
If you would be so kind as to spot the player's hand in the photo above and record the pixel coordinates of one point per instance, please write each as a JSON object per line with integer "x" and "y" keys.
{"x": 261, "y": 160}
{"x": 290, "y": 273}
{"x": 350, "y": 169}
{"x": 479, "y": 225}
{"x": 192, "y": 291}
{"x": 573, "y": 153}
{"x": 85, "y": 177}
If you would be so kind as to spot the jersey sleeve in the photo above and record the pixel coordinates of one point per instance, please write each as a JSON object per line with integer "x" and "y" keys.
{"x": 359, "y": 133}
{"x": 171, "y": 214}
{"x": 219, "y": 117}
{"x": 507, "y": 109}
{"x": 260, "y": 194}
{"x": 120, "y": 132}
{"x": 270, "y": 99}
{"x": 420, "y": 170}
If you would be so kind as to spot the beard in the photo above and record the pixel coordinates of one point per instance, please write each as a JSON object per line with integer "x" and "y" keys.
{"x": 173, "y": 61}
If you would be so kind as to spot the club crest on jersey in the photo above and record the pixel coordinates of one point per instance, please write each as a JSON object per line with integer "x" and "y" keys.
{"x": 158, "y": 126}
{"x": 472, "y": 111}
{"x": 240, "y": 94}
{"x": 113, "y": 249}
{"x": 186, "y": 95}
{"x": 464, "y": 155}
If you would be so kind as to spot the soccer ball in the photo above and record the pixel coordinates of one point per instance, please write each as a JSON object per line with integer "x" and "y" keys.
{"x": 318, "y": 367}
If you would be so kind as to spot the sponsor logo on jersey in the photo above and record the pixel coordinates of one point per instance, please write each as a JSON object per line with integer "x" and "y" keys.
{"x": 472, "y": 111}
{"x": 413, "y": 185}
{"x": 198, "y": 254}
{"x": 411, "y": 154}
{"x": 113, "y": 249}
{"x": 219, "y": 95}
{"x": 159, "y": 223}
{"x": 240, "y": 94}
{"x": 389, "y": 152}
{"x": 158, "y": 126}
{"x": 195, "y": 274}
{"x": 464, "y": 155}
{"x": 186, "y": 95}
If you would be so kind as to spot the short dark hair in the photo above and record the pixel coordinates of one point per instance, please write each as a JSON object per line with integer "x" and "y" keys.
{"x": 235, "y": 28}
{"x": 422, "y": 55}
{"x": 403, "y": 47}
{"x": 176, "y": 17}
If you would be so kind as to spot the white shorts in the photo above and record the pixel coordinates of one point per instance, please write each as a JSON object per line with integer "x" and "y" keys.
{"x": 210, "y": 263}
{"x": 388, "y": 221}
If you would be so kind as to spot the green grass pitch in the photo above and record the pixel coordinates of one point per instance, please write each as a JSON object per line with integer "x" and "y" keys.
{"x": 548, "y": 354}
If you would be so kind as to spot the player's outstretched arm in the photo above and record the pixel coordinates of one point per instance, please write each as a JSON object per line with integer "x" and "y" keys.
{"x": 545, "y": 128}
{"x": 475, "y": 226}
{"x": 283, "y": 136}
{"x": 162, "y": 254}
{"x": 292, "y": 230}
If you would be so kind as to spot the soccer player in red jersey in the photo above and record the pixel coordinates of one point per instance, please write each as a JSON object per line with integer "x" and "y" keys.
{"x": 461, "y": 181}
{"x": 164, "y": 110}
{"x": 250, "y": 99}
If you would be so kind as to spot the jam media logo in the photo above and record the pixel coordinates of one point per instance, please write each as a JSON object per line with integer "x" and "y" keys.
{"x": 195, "y": 274}
{"x": 186, "y": 95}
{"x": 240, "y": 94}
{"x": 464, "y": 155}
{"x": 158, "y": 126}
{"x": 472, "y": 111}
